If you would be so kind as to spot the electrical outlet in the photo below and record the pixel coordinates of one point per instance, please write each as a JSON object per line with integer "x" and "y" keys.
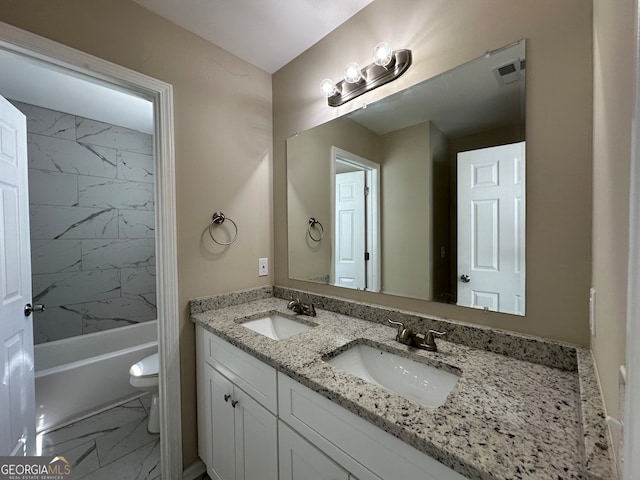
{"x": 263, "y": 267}
{"x": 592, "y": 311}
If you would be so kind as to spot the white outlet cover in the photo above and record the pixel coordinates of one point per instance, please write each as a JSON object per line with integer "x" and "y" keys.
{"x": 263, "y": 267}
{"x": 592, "y": 311}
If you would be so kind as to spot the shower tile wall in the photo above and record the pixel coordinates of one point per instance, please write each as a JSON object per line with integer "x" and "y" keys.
{"x": 92, "y": 224}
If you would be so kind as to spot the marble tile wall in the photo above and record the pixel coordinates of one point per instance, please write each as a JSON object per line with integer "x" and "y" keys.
{"x": 92, "y": 224}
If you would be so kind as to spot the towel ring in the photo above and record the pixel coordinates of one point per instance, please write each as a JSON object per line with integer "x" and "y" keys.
{"x": 218, "y": 219}
{"x": 312, "y": 224}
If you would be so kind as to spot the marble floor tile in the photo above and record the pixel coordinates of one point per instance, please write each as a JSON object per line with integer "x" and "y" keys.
{"x": 114, "y": 444}
{"x": 141, "y": 464}
{"x": 126, "y": 439}
{"x": 83, "y": 431}
{"x": 146, "y": 401}
{"x": 83, "y": 459}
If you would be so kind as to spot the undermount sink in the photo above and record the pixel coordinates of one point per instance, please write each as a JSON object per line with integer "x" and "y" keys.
{"x": 413, "y": 380}
{"x": 276, "y": 327}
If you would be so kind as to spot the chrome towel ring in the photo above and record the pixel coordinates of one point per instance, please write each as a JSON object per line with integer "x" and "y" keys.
{"x": 314, "y": 224}
{"x": 218, "y": 219}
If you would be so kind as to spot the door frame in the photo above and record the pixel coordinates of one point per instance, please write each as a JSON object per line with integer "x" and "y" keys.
{"x": 631, "y": 432}
{"x": 42, "y": 50}
{"x": 372, "y": 206}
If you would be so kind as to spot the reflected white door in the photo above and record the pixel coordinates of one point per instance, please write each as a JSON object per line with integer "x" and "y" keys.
{"x": 349, "y": 240}
{"x": 17, "y": 398}
{"x": 491, "y": 220}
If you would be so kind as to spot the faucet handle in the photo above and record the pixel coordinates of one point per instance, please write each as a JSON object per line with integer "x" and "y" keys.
{"x": 400, "y": 326}
{"x": 430, "y": 341}
{"x": 431, "y": 333}
{"x": 404, "y": 334}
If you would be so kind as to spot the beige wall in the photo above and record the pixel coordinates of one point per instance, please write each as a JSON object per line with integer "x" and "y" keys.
{"x": 309, "y": 189}
{"x": 222, "y": 143}
{"x": 441, "y": 184}
{"x": 443, "y": 34}
{"x": 614, "y": 42}
{"x": 406, "y": 211}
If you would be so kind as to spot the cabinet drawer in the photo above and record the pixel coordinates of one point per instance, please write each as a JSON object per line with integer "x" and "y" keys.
{"x": 253, "y": 376}
{"x": 352, "y": 441}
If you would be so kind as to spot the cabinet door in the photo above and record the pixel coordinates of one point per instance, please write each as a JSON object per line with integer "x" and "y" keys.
{"x": 256, "y": 439}
{"x": 221, "y": 418}
{"x": 299, "y": 460}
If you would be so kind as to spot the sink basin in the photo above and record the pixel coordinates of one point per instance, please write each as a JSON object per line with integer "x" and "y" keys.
{"x": 276, "y": 327}
{"x": 415, "y": 381}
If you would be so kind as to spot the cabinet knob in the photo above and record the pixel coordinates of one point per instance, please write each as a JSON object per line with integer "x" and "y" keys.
{"x": 234, "y": 403}
{"x": 227, "y": 397}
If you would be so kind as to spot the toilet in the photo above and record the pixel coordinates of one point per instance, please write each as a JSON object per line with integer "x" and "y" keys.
{"x": 144, "y": 376}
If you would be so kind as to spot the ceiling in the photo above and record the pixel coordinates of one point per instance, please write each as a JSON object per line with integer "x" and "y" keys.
{"x": 265, "y": 33}
{"x": 44, "y": 85}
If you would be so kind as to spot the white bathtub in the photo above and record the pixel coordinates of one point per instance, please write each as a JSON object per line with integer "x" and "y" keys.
{"x": 82, "y": 375}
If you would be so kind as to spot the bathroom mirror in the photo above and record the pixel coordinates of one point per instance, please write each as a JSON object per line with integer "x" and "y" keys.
{"x": 420, "y": 194}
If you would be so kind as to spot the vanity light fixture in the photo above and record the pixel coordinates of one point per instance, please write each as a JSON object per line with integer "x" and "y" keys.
{"x": 388, "y": 64}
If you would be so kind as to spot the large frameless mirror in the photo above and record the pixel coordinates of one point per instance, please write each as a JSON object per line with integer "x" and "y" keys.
{"x": 421, "y": 194}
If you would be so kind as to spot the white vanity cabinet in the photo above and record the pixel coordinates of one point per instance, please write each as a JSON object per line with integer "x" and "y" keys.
{"x": 237, "y": 435}
{"x": 299, "y": 460}
{"x": 254, "y": 422}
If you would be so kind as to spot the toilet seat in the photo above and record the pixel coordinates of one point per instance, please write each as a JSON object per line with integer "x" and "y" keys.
{"x": 147, "y": 367}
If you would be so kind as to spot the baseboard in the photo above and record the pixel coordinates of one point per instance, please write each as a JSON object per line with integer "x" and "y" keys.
{"x": 194, "y": 471}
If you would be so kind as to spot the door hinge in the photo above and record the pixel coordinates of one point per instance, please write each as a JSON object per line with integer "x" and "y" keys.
{"x": 366, "y": 191}
{"x": 366, "y": 256}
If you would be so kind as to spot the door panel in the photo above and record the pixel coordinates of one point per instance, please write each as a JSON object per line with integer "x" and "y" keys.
{"x": 491, "y": 223}
{"x": 223, "y": 449}
{"x": 300, "y": 460}
{"x": 349, "y": 232}
{"x": 256, "y": 439}
{"x": 17, "y": 397}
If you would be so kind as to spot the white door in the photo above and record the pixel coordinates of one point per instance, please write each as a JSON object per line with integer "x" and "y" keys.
{"x": 491, "y": 220}
{"x": 17, "y": 397}
{"x": 349, "y": 239}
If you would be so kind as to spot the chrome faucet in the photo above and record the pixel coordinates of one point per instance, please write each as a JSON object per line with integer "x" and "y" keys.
{"x": 300, "y": 308}
{"x": 407, "y": 337}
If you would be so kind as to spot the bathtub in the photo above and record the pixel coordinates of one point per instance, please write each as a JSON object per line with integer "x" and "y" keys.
{"x": 78, "y": 376}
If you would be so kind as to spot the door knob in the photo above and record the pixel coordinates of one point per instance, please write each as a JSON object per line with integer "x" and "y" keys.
{"x": 465, "y": 278}
{"x": 29, "y": 309}
{"x": 227, "y": 397}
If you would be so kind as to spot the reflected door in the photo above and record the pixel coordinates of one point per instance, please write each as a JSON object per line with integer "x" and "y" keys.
{"x": 17, "y": 396}
{"x": 349, "y": 230}
{"x": 491, "y": 220}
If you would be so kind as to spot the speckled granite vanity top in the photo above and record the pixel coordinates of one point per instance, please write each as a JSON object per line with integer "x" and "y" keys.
{"x": 506, "y": 418}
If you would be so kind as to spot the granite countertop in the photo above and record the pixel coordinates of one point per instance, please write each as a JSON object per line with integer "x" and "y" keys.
{"x": 505, "y": 419}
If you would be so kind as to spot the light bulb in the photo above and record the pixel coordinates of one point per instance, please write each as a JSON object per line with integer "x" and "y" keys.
{"x": 328, "y": 87}
{"x": 352, "y": 73}
{"x": 382, "y": 54}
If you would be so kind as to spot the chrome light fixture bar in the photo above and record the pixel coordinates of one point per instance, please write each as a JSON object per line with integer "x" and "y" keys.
{"x": 388, "y": 65}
